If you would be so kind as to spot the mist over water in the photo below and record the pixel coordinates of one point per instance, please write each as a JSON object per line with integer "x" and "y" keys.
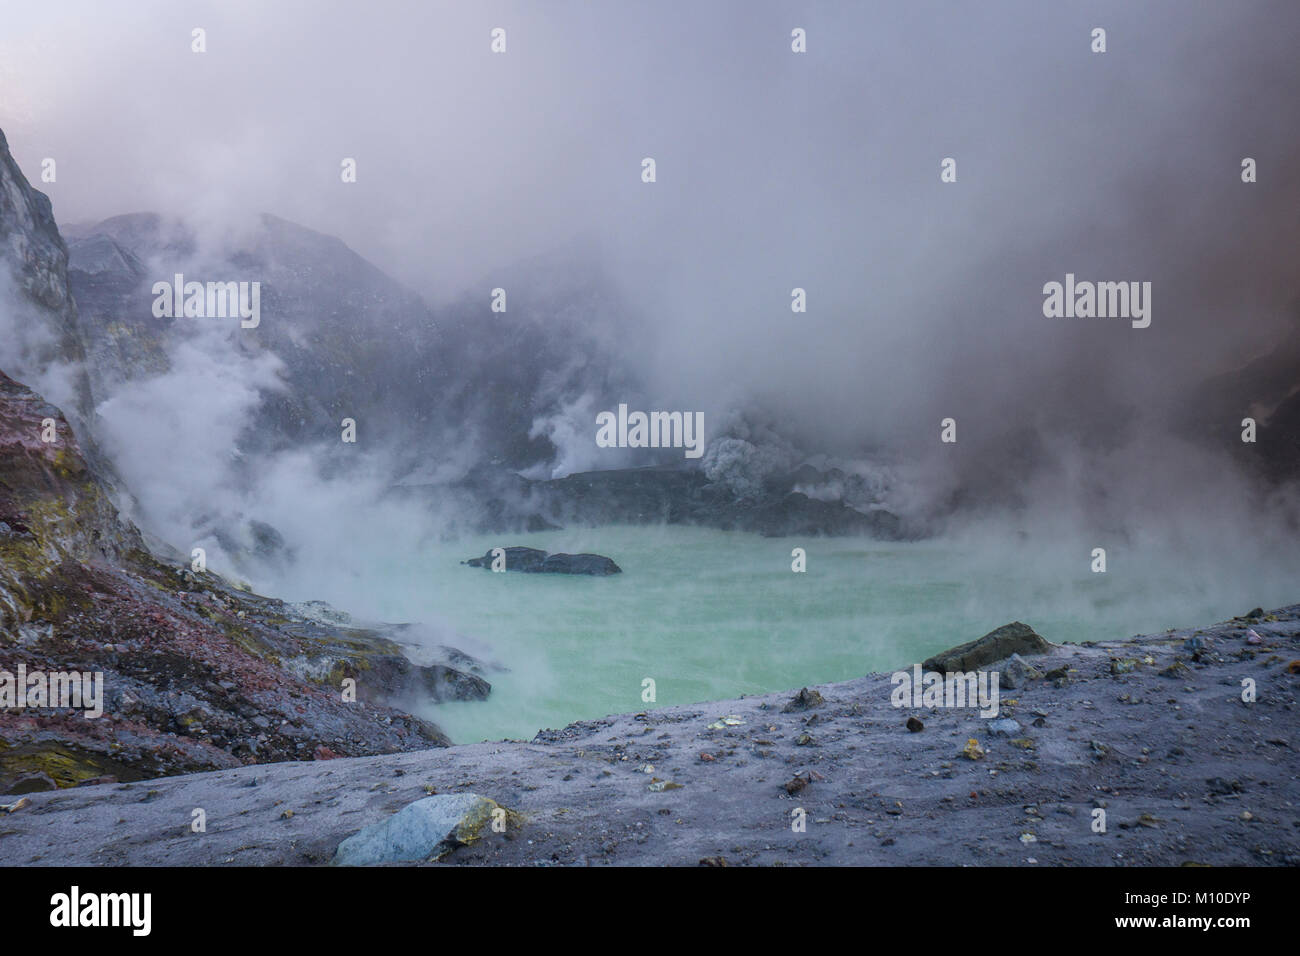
{"x": 710, "y": 614}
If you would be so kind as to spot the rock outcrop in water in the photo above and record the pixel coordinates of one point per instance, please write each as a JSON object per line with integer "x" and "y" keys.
{"x": 536, "y": 561}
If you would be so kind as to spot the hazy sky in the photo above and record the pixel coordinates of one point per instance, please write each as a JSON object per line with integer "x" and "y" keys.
{"x": 775, "y": 170}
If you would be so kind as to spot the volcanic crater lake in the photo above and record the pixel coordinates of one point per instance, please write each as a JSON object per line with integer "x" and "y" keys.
{"x": 712, "y": 615}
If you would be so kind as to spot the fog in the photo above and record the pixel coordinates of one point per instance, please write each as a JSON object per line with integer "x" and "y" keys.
{"x": 775, "y": 170}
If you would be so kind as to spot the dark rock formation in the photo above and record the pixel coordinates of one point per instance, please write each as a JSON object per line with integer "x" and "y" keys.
{"x": 676, "y": 495}
{"x": 997, "y": 645}
{"x": 535, "y": 561}
{"x": 595, "y": 564}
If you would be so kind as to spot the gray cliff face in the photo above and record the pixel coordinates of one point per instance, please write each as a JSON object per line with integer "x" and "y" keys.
{"x": 37, "y": 262}
{"x": 109, "y": 277}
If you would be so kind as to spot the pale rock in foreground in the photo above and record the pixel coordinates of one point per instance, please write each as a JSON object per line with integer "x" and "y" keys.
{"x": 427, "y": 829}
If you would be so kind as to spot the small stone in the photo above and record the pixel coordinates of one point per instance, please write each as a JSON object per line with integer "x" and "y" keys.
{"x": 1175, "y": 670}
{"x": 1006, "y": 727}
{"x": 972, "y": 750}
{"x": 914, "y": 725}
{"x": 1222, "y": 788}
{"x": 804, "y": 700}
{"x": 722, "y": 723}
{"x": 794, "y": 785}
{"x": 803, "y": 740}
{"x": 1017, "y": 672}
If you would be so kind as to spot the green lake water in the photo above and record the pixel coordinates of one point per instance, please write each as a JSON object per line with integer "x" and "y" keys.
{"x": 709, "y": 614}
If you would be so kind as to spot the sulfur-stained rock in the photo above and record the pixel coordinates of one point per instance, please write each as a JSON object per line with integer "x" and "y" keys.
{"x": 427, "y": 829}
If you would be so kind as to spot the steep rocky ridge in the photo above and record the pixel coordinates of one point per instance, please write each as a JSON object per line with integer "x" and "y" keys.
{"x": 197, "y": 672}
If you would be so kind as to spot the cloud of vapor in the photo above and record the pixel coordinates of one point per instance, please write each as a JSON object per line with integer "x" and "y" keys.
{"x": 775, "y": 170}
{"x": 176, "y": 436}
{"x": 29, "y": 350}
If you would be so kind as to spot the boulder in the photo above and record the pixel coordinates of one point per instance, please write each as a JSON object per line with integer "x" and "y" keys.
{"x": 427, "y": 829}
{"x": 1013, "y": 638}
